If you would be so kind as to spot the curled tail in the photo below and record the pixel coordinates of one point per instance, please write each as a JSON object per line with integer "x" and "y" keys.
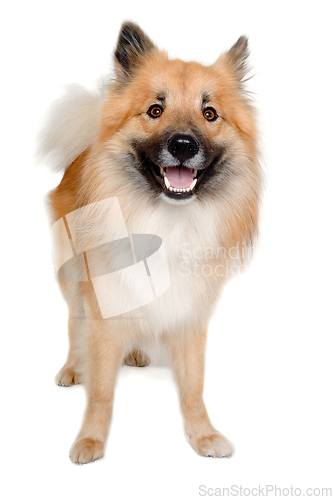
{"x": 71, "y": 126}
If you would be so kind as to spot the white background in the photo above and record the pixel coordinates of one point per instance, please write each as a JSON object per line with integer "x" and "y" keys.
{"x": 269, "y": 357}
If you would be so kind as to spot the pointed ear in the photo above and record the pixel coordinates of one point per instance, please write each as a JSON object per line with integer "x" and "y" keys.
{"x": 132, "y": 48}
{"x": 238, "y": 55}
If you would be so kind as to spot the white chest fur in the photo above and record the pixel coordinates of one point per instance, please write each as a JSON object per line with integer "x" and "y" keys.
{"x": 187, "y": 233}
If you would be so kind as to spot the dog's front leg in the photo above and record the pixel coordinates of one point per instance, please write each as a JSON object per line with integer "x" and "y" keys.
{"x": 188, "y": 358}
{"x": 104, "y": 352}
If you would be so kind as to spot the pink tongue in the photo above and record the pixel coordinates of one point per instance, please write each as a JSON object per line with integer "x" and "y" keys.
{"x": 179, "y": 177}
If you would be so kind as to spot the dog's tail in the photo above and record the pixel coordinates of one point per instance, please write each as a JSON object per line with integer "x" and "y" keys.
{"x": 71, "y": 126}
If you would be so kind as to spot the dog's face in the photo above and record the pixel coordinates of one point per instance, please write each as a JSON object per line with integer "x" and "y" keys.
{"x": 180, "y": 132}
{"x": 183, "y": 144}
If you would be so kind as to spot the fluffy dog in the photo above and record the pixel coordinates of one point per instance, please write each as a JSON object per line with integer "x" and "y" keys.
{"x": 175, "y": 143}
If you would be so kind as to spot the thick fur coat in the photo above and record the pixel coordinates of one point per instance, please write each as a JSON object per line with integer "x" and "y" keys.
{"x": 111, "y": 144}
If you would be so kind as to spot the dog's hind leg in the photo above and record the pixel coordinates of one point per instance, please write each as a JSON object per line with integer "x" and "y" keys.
{"x": 71, "y": 373}
{"x": 137, "y": 357}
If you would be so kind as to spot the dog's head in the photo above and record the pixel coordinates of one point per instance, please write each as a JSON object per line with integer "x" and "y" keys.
{"x": 183, "y": 131}
{"x": 179, "y": 132}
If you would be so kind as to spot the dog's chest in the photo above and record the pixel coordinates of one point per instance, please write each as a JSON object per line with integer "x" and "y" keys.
{"x": 192, "y": 289}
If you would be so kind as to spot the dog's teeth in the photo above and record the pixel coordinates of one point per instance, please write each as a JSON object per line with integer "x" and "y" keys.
{"x": 193, "y": 183}
{"x": 178, "y": 190}
{"x": 162, "y": 171}
{"x": 194, "y": 172}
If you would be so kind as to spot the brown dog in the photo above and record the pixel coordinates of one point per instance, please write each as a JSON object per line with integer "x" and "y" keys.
{"x": 175, "y": 144}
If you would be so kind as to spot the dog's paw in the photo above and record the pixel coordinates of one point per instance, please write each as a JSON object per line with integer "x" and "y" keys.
{"x": 215, "y": 445}
{"x": 67, "y": 377}
{"x": 86, "y": 450}
{"x": 137, "y": 358}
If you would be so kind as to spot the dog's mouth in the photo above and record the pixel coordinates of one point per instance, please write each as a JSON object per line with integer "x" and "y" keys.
{"x": 176, "y": 182}
{"x": 179, "y": 181}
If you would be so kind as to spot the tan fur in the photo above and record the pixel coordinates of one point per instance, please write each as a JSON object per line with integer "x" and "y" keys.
{"x": 187, "y": 355}
{"x": 97, "y": 346}
{"x": 137, "y": 358}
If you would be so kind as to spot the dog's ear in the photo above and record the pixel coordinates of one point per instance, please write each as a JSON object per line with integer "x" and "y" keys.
{"x": 238, "y": 55}
{"x": 132, "y": 48}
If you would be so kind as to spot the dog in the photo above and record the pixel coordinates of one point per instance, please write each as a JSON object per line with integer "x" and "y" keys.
{"x": 169, "y": 149}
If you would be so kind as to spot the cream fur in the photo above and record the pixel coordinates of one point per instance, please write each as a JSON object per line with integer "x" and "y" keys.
{"x": 101, "y": 138}
{"x": 71, "y": 126}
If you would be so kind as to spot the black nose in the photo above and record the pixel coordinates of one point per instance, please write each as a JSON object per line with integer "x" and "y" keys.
{"x": 183, "y": 147}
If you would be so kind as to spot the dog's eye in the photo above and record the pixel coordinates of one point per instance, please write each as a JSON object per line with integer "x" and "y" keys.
{"x": 155, "y": 111}
{"x": 210, "y": 114}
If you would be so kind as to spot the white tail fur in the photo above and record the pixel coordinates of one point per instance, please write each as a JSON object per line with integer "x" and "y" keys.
{"x": 71, "y": 127}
